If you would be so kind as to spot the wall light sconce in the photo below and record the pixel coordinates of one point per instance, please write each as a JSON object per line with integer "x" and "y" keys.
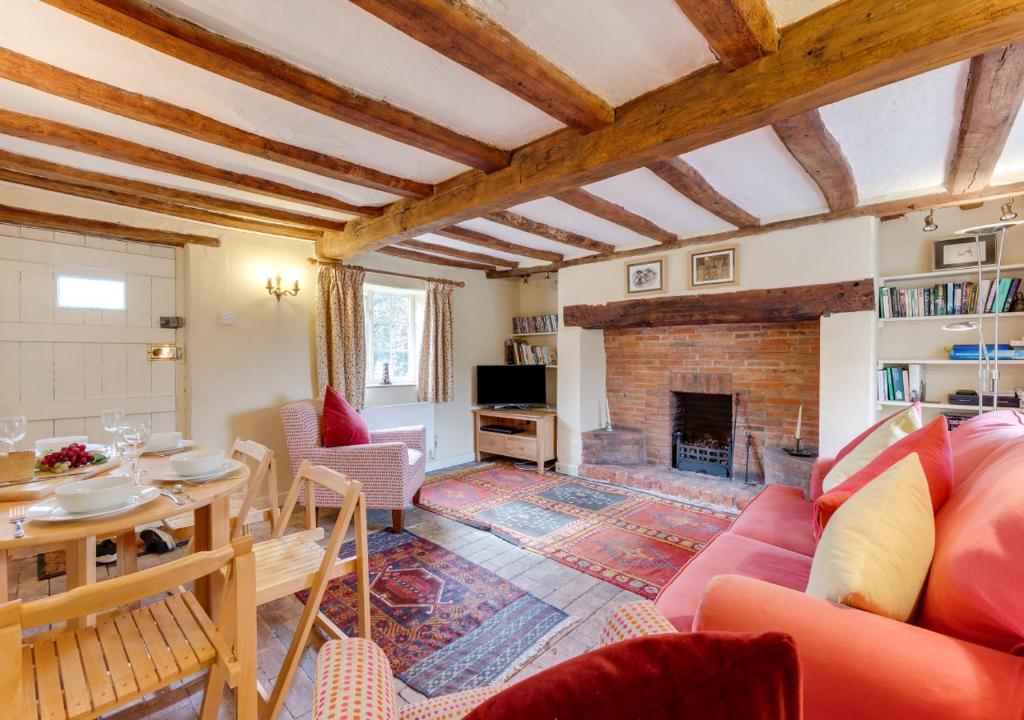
{"x": 929, "y": 223}
{"x": 1008, "y": 213}
{"x": 274, "y": 288}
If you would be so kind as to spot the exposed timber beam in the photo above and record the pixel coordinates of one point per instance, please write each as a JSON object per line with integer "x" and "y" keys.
{"x": 606, "y": 210}
{"x": 60, "y": 82}
{"x": 492, "y": 243}
{"x": 845, "y": 49}
{"x": 215, "y": 53}
{"x": 116, "y": 197}
{"x": 77, "y": 176}
{"x": 461, "y": 33}
{"x": 991, "y": 104}
{"x": 51, "y": 132}
{"x": 458, "y": 254}
{"x": 566, "y": 237}
{"x": 738, "y": 31}
{"x": 52, "y": 221}
{"x": 812, "y": 145}
{"x": 433, "y": 259}
{"x": 685, "y": 180}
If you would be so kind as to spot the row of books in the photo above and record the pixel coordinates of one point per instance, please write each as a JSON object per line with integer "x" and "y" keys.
{"x": 903, "y": 384}
{"x": 535, "y": 324}
{"x": 972, "y": 351}
{"x": 520, "y": 353}
{"x": 959, "y": 298}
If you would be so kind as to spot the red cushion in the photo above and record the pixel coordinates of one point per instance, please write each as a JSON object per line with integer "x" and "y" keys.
{"x": 712, "y": 676}
{"x": 931, "y": 443}
{"x": 342, "y": 425}
{"x": 976, "y": 440}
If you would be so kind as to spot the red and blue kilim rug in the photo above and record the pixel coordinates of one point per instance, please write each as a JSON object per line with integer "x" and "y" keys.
{"x": 633, "y": 540}
{"x": 445, "y": 623}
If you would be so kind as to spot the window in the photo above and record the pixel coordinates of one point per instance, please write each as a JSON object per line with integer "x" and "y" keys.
{"x": 92, "y": 293}
{"x": 393, "y": 321}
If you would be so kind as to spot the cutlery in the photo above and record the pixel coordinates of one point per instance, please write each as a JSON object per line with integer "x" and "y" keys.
{"x": 179, "y": 489}
{"x": 17, "y": 516}
{"x": 174, "y": 498}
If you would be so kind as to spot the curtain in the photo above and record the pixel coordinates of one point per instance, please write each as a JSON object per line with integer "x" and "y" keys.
{"x": 340, "y": 333}
{"x": 435, "y": 381}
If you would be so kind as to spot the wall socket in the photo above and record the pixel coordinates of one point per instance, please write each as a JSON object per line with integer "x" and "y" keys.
{"x": 226, "y": 317}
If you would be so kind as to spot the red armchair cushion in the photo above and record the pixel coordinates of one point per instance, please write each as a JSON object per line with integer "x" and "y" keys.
{"x": 932, "y": 445}
{"x": 342, "y": 425}
{"x": 712, "y": 676}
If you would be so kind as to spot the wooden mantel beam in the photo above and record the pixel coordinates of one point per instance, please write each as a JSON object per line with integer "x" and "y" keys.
{"x": 843, "y": 50}
{"x": 812, "y": 145}
{"x": 470, "y": 38}
{"x": 566, "y": 237}
{"x": 67, "y": 223}
{"x": 807, "y": 302}
{"x": 685, "y": 180}
{"x": 190, "y": 43}
{"x": 738, "y": 31}
{"x": 992, "y": 102}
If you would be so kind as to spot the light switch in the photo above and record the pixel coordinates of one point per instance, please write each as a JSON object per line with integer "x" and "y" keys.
{"x": 226, "y": 317}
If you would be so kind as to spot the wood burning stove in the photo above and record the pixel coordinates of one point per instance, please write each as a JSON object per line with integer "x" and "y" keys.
{"x": 703, "y": 432}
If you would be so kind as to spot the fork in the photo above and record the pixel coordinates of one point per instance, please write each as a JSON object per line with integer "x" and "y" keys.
{"x": 17, "y": 516}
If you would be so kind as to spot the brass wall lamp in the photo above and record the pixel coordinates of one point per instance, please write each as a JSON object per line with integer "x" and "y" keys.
{"x": 275, "y": 289}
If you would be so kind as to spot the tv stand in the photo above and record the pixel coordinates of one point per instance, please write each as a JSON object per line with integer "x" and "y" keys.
{"x": 534, "y": 441}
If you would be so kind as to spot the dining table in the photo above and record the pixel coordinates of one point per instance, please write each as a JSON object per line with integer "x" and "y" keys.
{"x": 209, "y": 501}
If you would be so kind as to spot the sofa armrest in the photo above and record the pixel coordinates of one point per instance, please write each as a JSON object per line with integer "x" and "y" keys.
{"x": 414, "y": 436}
{"x": 633, "y": 620}
{"x": 353, "y": 679}
{"x": 818, "y": 472}
{"x": 449, "y": 707}
{"x": 859, "y": 665}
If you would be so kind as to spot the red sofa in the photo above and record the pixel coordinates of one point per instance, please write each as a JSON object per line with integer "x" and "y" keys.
{"x": 962, "y": 657}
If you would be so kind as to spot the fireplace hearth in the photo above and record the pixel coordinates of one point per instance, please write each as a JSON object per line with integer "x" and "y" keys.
{"x": 703, "y": 430}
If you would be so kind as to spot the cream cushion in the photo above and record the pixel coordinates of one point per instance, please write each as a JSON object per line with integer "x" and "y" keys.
{"x": 876, "y": 550}
{"x": 895, "y": 428}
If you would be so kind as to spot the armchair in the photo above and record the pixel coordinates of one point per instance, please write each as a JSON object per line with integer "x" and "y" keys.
{"x": 391, "y": 468}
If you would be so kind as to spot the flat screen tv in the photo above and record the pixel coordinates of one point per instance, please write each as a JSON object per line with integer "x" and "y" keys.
{"x": 511, "y": 385}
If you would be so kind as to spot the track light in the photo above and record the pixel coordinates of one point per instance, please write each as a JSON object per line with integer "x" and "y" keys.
{"x": 1008, "y": 212}
{"x": 929, "y": 222}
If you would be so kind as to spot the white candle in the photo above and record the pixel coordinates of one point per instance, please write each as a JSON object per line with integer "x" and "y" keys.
{"x": 799, "y": 421}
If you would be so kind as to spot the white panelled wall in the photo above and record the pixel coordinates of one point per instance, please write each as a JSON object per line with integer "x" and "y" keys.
{"x": 62, "y": 367}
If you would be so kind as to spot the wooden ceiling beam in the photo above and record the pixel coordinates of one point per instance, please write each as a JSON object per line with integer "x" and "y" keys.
{"x": 738, "y": 31}
{"x": 813, "y": 146}
{"x": 195, "y": 45}
{"x": 111, "y": 99}
{"x": 845, "y": 49}
{"x": 115, "y": 197}
{"x": 458, "y": 254}
{"x": 566, "y": 237}
{"x": 65, "y": 173}
{"x": 463, "y": 34}
{"x": 607, "y": 210}
{"x": 433, "y": 259}
{"x": 685, "y": 180}
{"x": 991, "y": 104}
{"x": 480, "y": 239}
{"x": 68, "y": 223}
{"x": 51, "y": 132}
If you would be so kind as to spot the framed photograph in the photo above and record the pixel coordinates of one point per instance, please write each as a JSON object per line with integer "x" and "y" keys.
{"x": 963, "y": 252}
{"x": 713, "y": 268}
{"x": 646, "y": 277}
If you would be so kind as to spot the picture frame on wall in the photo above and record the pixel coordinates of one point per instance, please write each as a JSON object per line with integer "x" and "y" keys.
{"x": 716, "y": 267}
{"x": 646, "y": 277}
{"x": 959, "y": 252}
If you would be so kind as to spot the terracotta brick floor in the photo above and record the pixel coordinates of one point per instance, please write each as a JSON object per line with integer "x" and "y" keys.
{"x": 581, "y": 596}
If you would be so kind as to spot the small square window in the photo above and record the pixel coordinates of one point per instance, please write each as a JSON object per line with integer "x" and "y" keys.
{"x": 91, "y": 293}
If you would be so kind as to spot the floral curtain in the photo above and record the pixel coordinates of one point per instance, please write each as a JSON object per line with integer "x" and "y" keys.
{"x": 340, "y": 333}
{"x": 435, "y": 381}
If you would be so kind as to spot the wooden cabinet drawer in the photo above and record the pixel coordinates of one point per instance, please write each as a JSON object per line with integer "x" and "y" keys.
{"x": 524, "y": 447}
{"x": 491, "y": 442}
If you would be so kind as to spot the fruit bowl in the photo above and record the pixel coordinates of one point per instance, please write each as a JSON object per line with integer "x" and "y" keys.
{"x": 95, "y": 494}
{"x": 69, "y": 458}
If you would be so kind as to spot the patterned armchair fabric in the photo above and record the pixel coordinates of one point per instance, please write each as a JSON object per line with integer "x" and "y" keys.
{"x": 391, "y": 468}
{"x": 634, "y": 620}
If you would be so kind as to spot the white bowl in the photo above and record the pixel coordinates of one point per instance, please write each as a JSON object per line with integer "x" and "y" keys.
{"x": 159, "y": 442}
{"x": 95, "y": 494}
{"x": 197, "y": 462}
{"x": 49, "y": 445}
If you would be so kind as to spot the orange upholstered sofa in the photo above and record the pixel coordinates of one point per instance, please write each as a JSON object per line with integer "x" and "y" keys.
{"x": 961, "y": 658}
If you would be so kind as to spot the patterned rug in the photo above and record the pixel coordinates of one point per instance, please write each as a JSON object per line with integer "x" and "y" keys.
{"x": 631, "y": 539}
{"x": 445, "y": 623}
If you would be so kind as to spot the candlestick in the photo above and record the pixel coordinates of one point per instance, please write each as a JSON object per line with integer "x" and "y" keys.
{"x": 799, "y": 422}
{"x": 607, "y": 414}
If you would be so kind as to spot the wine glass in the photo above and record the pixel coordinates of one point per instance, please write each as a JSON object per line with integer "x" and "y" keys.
{"x": 134, "y": 435}
{"x": 13, "y": 429}
{"x": 112, "y": 420}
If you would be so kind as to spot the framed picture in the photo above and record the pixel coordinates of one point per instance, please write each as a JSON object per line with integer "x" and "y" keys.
{"x": 646, "y": 277}
{"x": 963, "y": 252}
{"x": 713, "y": 268}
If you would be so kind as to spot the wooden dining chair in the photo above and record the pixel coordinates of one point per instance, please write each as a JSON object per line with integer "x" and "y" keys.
{"x": 87, "y": 672}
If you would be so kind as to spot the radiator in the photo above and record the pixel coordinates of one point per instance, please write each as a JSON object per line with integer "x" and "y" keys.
{"x": 382, "y": 417}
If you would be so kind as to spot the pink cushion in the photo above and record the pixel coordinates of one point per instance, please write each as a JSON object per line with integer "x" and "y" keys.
{"x": 978, "y": 438}
{"x": 975, "y": 590}
{"x": 729, "y": 554}
{"x": 779, "y": 516}
{"x": 342, "y": 425}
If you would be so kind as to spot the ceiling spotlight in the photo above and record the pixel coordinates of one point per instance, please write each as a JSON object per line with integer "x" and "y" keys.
{"x": 929, "y": 222}
{"x": 1008, "y": 212}
{"x": 526, "y": 279}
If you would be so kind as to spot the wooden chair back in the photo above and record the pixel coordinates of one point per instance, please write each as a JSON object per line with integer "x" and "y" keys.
{"x": 263, "y": 468}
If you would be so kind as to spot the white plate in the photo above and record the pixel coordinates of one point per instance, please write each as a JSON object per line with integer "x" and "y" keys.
{"x": 227, "y": 468}
{"x": 50, "y": 511}
{"x": 182, "y": 444}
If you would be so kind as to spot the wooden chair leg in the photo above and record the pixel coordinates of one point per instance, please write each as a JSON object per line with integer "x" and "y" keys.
{"x": 416, "y": 497}
{"x": 397, "y": 520}
{"x": 362, "y": 572}
{"x": 310, "y": 507}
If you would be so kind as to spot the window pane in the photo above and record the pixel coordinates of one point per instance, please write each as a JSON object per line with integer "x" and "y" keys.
{"x": 390, "y": 333}
{"x": 79, "y": 292}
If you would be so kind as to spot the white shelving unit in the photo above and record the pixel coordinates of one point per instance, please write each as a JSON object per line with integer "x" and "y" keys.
{"x": 961, "y": 409}
{"x": 956, "y": 272}
{"x": 536, "y": 334}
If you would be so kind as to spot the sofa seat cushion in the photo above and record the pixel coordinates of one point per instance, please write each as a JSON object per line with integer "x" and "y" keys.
{"x": 976, "y": 440}
{"x": 779, "y": 516}
{"x": 414, "y": 457}
{"x": 729, "y": 554}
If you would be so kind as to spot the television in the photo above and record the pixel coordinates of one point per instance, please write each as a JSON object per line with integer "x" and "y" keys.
{"x": 517, "y": 385}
